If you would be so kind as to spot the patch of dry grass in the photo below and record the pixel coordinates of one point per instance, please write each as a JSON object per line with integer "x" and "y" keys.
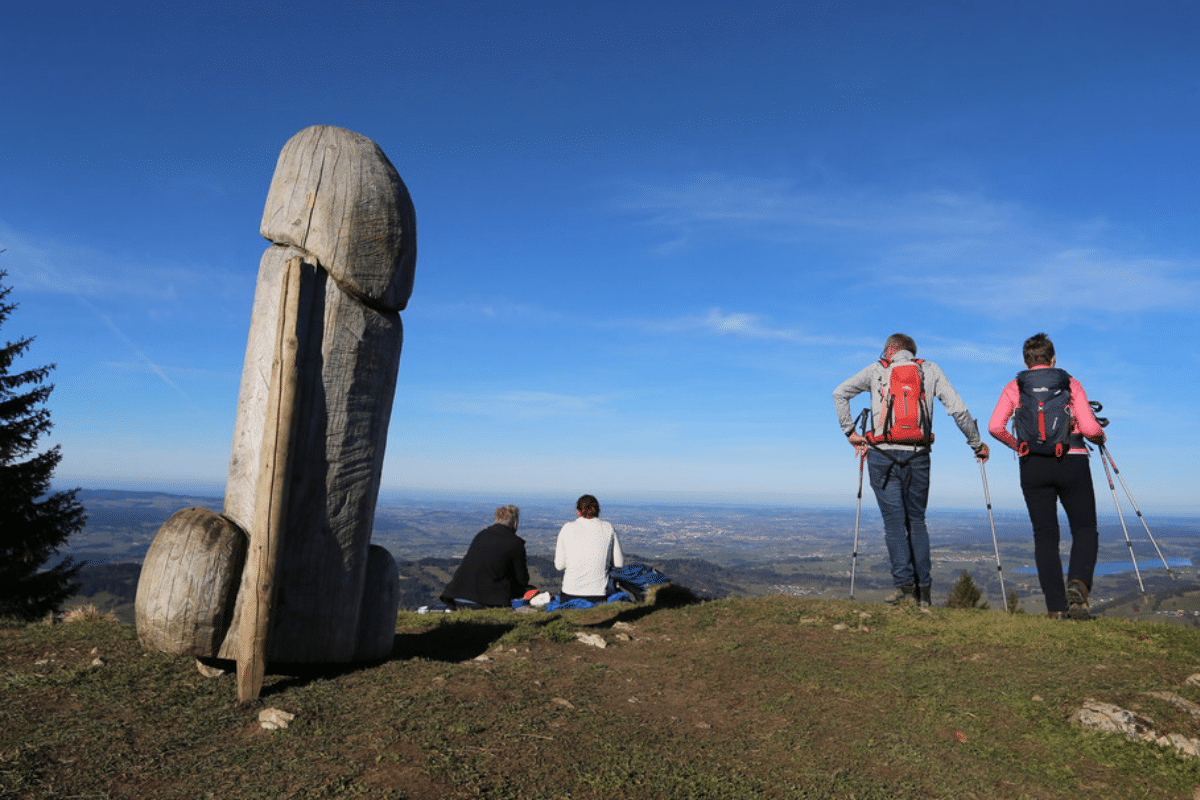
{"x": 88, "y": 613}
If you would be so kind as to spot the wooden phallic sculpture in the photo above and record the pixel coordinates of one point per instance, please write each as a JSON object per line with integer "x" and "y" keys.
{"x": 287, "y": 574}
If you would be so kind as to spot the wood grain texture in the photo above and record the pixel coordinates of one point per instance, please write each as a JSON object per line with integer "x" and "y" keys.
{"x": 268, "y": 536}
{"x": 185, "y": 595}
{"x": 348, "y": 359}
{"x": 381, "y": 601}
{"x": 336, "y": 196}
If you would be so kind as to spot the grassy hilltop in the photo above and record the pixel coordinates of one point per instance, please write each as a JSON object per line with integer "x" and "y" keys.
{"x": 775, "y": 697}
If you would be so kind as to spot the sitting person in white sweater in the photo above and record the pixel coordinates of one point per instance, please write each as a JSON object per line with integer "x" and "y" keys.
{"x": 587, "y": 547}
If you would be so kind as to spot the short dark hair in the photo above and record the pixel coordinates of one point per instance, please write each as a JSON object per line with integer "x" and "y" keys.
{"x": 1038, "y": 349}
{"x": 588, "y": 506}
{"x": 900, "y": 341}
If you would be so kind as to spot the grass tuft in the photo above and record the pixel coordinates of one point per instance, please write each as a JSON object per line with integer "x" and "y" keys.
{"x": 88, "y": 613}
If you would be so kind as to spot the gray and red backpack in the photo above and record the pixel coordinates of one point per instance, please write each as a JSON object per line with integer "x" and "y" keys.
{"x": 902, "y": 404}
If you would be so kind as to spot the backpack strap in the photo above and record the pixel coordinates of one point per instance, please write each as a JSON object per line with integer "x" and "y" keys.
{"x": 897, "y": 462}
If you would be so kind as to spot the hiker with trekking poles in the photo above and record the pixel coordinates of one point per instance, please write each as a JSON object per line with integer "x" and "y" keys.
{"x": 1052, "y": 418}
{"x": 895, "y": 446}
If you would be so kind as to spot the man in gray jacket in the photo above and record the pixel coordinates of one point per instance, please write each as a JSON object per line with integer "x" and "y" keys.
{"x": 900, "y": 472}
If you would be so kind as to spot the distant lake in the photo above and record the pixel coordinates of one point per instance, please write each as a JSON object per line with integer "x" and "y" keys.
{"x": 1113, "y": 567}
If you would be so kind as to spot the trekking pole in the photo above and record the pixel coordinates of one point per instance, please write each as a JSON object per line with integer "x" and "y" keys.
{"x": 1121, "y": 517}
{"x": 1104, "y": 453}
{"x": 999, "y": 569}
{"x": 862, "y": 420}
{"x": 858, "y": 513}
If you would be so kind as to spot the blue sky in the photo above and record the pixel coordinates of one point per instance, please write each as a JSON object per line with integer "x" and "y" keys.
{"x": 653, "y": 237}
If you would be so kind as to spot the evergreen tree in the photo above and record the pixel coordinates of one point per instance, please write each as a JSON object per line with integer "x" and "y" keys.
{"x": 33, "y": 523}
{"x": 965, "y": 593}
{"x": 1014, "y": 606}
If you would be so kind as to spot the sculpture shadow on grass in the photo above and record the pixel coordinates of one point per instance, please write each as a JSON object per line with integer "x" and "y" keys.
{"x": 453, "y": 642}
{"x": 281, "y": 677}
{"x": 667, "y": 595}
{"x": 458, "y": 641}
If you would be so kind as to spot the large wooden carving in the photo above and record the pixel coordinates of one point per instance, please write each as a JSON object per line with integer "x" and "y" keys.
{"x": 308, "y": 444}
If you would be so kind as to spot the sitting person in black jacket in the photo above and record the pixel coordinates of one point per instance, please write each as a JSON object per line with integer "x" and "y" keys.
{"x": 493, "y": 572}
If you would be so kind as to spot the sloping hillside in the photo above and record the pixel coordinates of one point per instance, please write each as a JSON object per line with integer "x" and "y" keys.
{"x": 739, "y": 698}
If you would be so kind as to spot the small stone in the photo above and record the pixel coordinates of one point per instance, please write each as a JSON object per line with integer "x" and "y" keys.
{"x": 1114, "y": 719}
{"x": 209, "y": 670}
{"x": 274, "y": 718}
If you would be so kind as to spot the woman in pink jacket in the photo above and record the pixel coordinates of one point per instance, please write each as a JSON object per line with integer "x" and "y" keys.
{"x": 1054, "y": 472}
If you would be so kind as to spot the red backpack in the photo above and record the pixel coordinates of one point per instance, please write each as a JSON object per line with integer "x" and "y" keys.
{"x": 901, "y": 401}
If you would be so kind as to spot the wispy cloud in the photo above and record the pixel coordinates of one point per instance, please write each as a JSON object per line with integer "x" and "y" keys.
{"x": 63, "y": 267}
{"x": 955, "y": 249}
{"x": 143, "y": 358}
{"x": 492, "y": 310}
{"x": 523, "y": 404}
{"x": 758, "y": 327}
{"x": 1073, "y": 282}
{"x": 743, "y": 325}
{"x": 95, "y": 278}
{"x": 174, "y": 371}
{"x": 775, "y": 209}
{"x": 967, "y": 351}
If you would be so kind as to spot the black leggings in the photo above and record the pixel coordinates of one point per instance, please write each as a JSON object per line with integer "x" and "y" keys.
{"x": 1046, "y": 481}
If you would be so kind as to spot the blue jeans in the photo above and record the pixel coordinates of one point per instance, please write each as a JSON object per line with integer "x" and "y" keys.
{"x": 902, "y": 491}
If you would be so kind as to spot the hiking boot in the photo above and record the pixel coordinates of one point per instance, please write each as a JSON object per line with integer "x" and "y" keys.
{"x": 902, "y": 594}
{"x": 925, "y": 596}
{"x": 1077, "y": 597}
{"x": 1056, "y": 615}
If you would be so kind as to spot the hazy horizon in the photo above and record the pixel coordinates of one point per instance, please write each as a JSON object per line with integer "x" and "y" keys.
{"x": 484, "y": 497}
